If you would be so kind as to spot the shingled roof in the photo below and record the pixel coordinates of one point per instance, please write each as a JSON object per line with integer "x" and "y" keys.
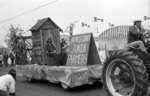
{"x": 41, "y": 22}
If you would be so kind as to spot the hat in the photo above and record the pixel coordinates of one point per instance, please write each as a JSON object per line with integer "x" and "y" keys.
{"x": 12, "y": 72}
{"x": 136, "y": 21}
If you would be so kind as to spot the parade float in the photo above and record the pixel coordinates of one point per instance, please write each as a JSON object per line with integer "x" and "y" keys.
{"x": 125, "y": 71}
{"x": 83, "y": 65}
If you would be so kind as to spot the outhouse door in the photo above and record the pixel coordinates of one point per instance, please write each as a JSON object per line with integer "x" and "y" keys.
{"x": 46, "y": 34}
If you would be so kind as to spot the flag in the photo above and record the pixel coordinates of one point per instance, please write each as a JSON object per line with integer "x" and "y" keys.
{"x": 96, "y": 19}
{"x": 110, "y": 24}
{"x": 88, "y": 26}
{"x": 146, "y": 18}
{"x": 84, "y": 25}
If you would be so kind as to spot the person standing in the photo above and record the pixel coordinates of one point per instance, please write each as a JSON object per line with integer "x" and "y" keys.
{"x": 1, "y": 59}
{"x": 7, "y": 83}
{"x": 5, "y": 59}
{"x": 12, "y": 57}
{"x": 63, "y": 52}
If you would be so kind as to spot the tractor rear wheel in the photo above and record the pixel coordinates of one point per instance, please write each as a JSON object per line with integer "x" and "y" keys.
{"x": 124, "y": 74}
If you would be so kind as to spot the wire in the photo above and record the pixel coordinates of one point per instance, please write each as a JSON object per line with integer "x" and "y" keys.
{"x": 27, "y": 12}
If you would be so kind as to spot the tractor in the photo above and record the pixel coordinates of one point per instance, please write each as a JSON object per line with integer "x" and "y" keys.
{"x": 126, "y": 71}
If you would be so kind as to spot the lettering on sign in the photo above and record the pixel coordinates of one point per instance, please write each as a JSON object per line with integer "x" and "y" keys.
{"x": 77, "y": 59}
{"x": 79, "y": 48}
{"x": 81, "y": 38}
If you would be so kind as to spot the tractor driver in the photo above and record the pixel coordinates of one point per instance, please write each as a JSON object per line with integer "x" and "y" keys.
{"x": 135, "y": 36}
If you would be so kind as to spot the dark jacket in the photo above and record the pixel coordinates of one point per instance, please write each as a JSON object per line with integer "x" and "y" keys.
{"x": 134, "y": 35}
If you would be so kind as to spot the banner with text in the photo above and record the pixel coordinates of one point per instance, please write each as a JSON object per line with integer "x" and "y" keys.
{"x": 79, "y": 50}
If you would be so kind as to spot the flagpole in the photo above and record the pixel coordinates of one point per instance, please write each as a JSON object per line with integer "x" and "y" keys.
{"x": 97, "y": 29}
{"x": 96, "y": 19}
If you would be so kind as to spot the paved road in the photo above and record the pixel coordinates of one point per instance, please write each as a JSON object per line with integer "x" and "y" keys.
{"x": 39, "y": 88}
{"x": 43, "y": 88}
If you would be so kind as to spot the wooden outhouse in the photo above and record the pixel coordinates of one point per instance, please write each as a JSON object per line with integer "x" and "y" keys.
{"x": 41, "y": 32}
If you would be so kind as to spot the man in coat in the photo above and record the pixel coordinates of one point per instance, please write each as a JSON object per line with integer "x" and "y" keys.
{"x": 135, "y": 32}
{"x": 135, "y": 35}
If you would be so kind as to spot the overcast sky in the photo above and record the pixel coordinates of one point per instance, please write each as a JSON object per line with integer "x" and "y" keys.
{"x": 63, "y": 12}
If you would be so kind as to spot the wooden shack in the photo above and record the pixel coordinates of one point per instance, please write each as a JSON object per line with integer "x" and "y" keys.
{"x": 41, "y": 32}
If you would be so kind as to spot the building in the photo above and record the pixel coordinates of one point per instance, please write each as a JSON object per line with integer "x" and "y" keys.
{"x": 114, "y": 38}
{"x": 43, "y": 30}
